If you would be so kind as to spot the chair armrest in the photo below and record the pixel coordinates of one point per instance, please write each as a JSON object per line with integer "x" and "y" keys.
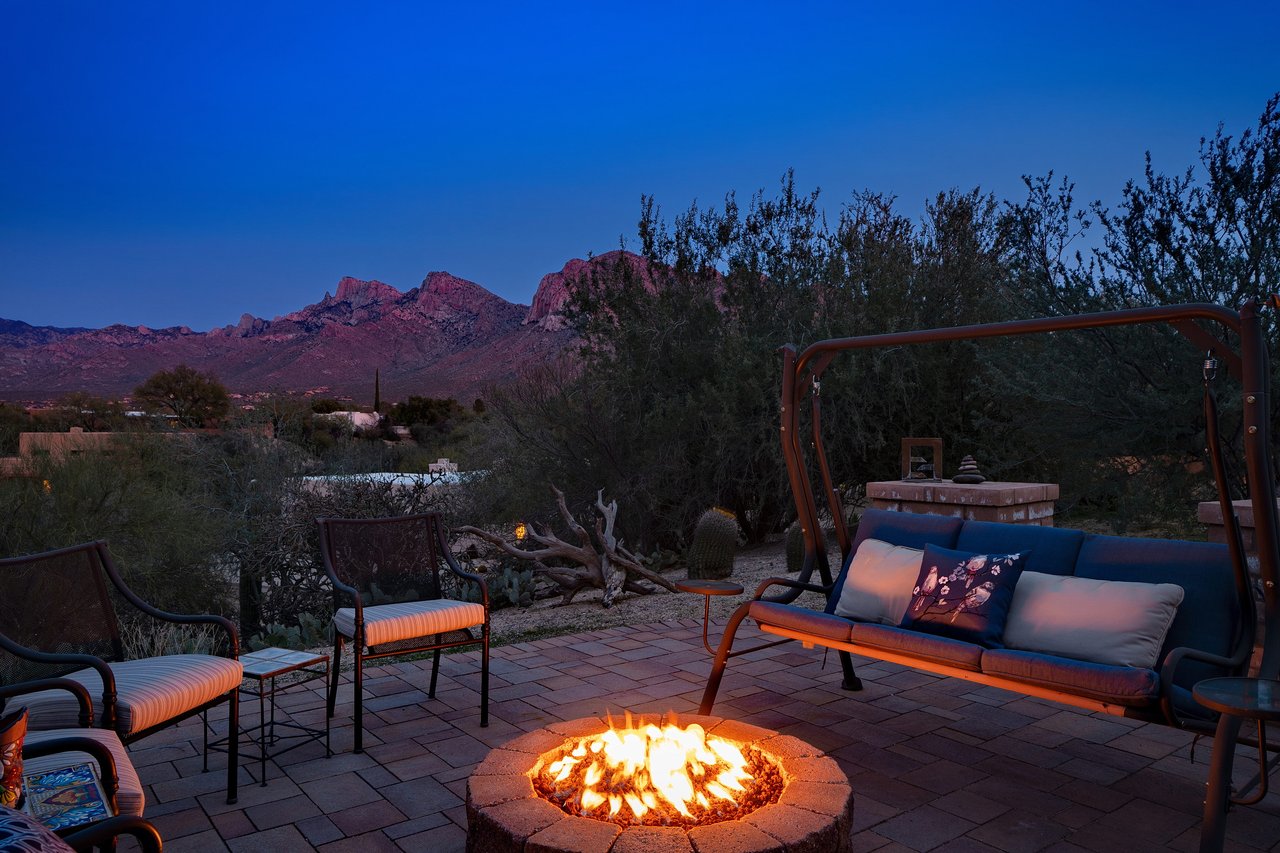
{"x": 101, "y": 834}
{"x": 233, "y": 634}
{"x": 797, "y": 586}
{"x": 453, "y": 566}
{"x": 82, "y": 661}
{"x": 339, "y": 586}
{"x": 73, "y": 743}
{"x": 1170, "y": 665}
{"x": 79, "y": 690}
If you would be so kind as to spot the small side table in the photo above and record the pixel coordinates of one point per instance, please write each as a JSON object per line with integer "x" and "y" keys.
{"x": 708, "y": 588}
{"x": 1237, "y": 699}
{"x": 265, "y": 666}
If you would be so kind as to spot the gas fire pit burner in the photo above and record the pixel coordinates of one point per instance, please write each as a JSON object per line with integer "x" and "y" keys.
{"x": 688, "y": 785}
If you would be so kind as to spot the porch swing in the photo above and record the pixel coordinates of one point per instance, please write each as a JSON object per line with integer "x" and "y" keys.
{"x": 1213, "y": 632}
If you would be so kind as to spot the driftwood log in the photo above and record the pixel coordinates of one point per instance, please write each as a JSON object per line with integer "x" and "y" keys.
{"x": 602, "y": 563}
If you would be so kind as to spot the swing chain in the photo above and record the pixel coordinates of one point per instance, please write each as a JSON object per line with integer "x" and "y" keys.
{"x": 1210, "y": 368}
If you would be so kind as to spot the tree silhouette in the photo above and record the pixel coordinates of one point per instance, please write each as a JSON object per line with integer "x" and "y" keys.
{"x": 196, "y": 399}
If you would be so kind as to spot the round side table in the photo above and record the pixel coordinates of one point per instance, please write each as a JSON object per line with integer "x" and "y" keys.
{"x": 1237, "y": 699}
{"x": 708, "y": 588}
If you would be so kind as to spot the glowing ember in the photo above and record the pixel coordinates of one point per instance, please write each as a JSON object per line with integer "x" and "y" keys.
{"x": 653, "y": 775}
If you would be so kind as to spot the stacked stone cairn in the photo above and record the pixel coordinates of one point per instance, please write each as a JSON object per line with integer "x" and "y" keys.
{"x": 968, "y": 473}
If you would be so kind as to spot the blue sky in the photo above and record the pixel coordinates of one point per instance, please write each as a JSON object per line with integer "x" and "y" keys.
{"x": 180, "y": 163}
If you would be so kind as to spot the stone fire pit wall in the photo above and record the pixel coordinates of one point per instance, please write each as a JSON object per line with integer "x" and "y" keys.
{"x": 504, "y": 814}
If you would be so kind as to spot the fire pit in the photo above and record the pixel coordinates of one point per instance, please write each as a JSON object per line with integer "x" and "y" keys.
{"x": 692, "y": 785}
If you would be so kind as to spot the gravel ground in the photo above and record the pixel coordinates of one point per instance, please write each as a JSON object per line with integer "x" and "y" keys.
{"x": 549, "y": 617}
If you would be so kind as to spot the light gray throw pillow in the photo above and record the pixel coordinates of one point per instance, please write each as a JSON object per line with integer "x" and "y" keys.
{"x": 1112, "y": 622}
{"x": 879, "y": 583}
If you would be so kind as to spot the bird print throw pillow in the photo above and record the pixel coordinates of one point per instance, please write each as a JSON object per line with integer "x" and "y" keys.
{"x": 964, "y": 596}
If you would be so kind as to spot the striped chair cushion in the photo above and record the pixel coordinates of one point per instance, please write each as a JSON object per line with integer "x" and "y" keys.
{"x": 149, "y": 691}
{"x": 129, "y": 799}
{"x": 390, "y": 623}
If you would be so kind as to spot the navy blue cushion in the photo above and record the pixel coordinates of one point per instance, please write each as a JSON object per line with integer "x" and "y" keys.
{"x": 963, "y": 595}
{"x": 1121, "y": 685}
{"x": 908, "y": 529}
{"x": 1209, "y": 616}
{"x": 801, "y": 619}
{"x": 1049, "y": 550}
{"x": 926, "y": 646}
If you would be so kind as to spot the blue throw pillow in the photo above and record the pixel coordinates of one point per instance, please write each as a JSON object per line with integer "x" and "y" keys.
{"x": 963, "y": 595}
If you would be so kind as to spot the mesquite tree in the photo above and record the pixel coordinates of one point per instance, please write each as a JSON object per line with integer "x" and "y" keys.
{"x": 601, "y": 561}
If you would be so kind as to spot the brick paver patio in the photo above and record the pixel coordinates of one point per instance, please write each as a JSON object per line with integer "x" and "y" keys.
{"x": 935, "y": 763}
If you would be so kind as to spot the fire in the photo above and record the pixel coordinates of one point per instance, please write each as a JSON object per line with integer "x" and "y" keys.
{"x": 648, "y": 774}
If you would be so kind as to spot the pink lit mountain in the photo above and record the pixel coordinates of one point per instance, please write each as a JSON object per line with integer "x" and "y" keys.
{"x": 447, "y": 337}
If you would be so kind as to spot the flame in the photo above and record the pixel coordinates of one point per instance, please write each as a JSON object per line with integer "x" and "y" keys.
{"x": 521, "y": 531}
{"x": 647, "y": 774}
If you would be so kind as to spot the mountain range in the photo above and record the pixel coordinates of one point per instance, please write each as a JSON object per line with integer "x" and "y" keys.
{"x": 448, "y": 337}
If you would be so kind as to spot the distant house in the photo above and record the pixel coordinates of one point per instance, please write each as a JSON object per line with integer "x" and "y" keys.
{"x": 443, "y": 466}
{"x": 61, "y": 445}
{"x": 356, "y": 420}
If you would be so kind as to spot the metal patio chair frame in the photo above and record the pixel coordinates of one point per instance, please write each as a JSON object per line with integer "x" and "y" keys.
{"x": 110, "y": 648}
{"x": 345, "y": 591}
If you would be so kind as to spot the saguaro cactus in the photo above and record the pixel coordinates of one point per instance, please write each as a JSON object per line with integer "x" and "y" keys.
{"x": 714, "y": 541}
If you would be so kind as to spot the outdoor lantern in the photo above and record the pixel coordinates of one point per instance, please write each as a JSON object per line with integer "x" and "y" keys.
{"x": 916, "y": 465}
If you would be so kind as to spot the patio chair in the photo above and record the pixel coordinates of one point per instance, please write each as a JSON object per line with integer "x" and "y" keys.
{"x": 52, "y": 749}
{"x": 387, "y": 572}
{"x": 59, "y": 618}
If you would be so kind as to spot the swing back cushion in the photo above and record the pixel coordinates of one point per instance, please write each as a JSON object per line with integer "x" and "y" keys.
{"x": 1113, "y": 622}
{"x": 877, "y": 587}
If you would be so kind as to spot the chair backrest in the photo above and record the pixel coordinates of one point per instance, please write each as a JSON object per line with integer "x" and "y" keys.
{"x": 58, "y": 601}
{"x": 385, "y": 559}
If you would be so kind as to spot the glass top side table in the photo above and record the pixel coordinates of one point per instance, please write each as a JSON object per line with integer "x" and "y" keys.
{"x": 264, "y": 667}
{"x": 708, "y": 588}
{"x": 1236, "y": 699}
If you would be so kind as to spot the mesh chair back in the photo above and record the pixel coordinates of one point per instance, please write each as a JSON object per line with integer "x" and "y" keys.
{"x": 58, "y": 601}
{"x": 386, "y": 559}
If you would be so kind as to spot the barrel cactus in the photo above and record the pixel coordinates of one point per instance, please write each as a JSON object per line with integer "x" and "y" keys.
{"x": 795, "y": 547}
{"x": 714, "y": 541}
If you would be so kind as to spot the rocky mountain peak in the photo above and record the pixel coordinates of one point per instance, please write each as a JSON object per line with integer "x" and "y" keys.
{"x": 360, "y": 292}
{"x": 553, "y": 290}
{"x": 442, "y": 293}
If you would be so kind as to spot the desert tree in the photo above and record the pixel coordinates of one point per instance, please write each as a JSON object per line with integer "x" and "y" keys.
{"x": 196, "y": 399}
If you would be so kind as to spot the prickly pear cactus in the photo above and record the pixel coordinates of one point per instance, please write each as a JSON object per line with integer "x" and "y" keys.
{"x": 714, "y": 541}
{"x": 795, "y": 547}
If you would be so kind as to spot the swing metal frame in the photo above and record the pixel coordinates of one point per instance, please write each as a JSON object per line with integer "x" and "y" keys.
{"x": 802, "y": 376}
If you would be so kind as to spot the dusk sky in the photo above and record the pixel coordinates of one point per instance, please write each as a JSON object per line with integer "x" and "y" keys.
{"x": 178, "y": 163}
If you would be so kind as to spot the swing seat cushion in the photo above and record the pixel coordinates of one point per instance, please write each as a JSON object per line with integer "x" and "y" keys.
{"x": 825, "y": 626}
{"x": 930, "y": 647}
{"x": 1120, "y": 685}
